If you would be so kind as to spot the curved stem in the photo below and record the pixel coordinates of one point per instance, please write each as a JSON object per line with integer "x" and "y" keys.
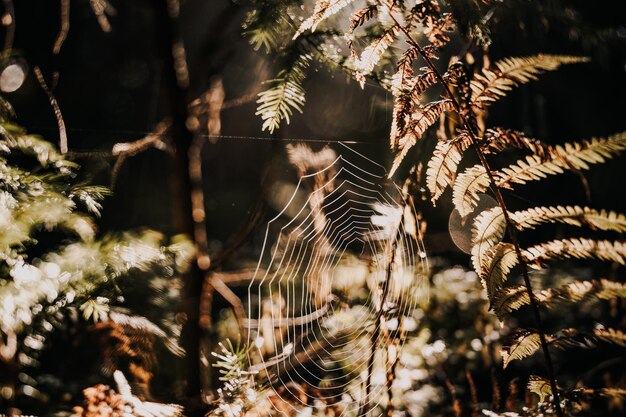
{"x": 512, "y": 231}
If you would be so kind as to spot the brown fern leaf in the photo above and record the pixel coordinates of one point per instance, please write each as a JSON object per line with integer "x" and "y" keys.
{"x": 401, "y": 109}
{"x": 359, "y": 17}
{"x": 420, "y": 121}
{"x": 498, "y": 139}
{"x": 572, "y": 215}
{"x": 442, "y": 166}
{"x": 407, "y": 90}
{"x": 323, "y": 10}
{"x": 401, "y": 83}
{"x": 436, "y": 33}
{"x": 405, "y": 144}
{"x": 521, "y": 344}
{"x": 613, "y": 336}
{"x": 435, "y": 23}
{"x": 612, "y": 392}
{"x": 488, "y": 229}
{"x": 493, "y": 84}
{"x": 578, "y": 249}
{"x": 467, "y": 186}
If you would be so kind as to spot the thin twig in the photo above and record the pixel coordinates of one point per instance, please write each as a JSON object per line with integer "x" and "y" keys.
{"x": 282, "y": 322}
{"x": 392, "y": 364}
{"x": 456, "y": 404}
{"x": 63, "y": 147}
{"x": 8, "y": 21}
{"x": 512, "y": 231}
{"x": 65, "y": 26}
{"x": 124, "y": 150}
{"x": 473, "y": 393}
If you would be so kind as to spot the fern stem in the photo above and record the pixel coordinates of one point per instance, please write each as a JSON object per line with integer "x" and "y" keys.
{"x": 511, "y": 230}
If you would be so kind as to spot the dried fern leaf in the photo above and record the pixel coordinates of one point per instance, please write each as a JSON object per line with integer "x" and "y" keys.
{"x": 323, "y": 10}
{"x": 427, "y": 115}
{"x": 613, "y": 336}
{"x": 361, "y": 16}
{"x": 468, "y": 185}
{"x": 572, "y": 215}
{"x": 421, "y": 120}
{"x": 405, "y": 144}
{"x": 407, "y": 90}
{"x": 578, "y": 249}
{"x": 442, "y": 166}
{"x": 498, "y": 139}
{"x": 488, "y": 229}
{"x": 523, "y": 343}
{"x": 540, "y": 386}
{"x": 495, "y": 83}
{"x": 402, "y": 107}
{"x": 602, "y": 392}
{"x": 576, "y": 155}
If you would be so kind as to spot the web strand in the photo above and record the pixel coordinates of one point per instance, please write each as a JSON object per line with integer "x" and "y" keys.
{"x": 314, "y": 250}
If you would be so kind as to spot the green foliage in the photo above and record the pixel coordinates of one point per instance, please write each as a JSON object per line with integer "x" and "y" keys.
{"x": 55, "y": 263}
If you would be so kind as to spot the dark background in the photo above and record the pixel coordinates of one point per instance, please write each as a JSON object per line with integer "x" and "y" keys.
{"x": 111, "y": 90}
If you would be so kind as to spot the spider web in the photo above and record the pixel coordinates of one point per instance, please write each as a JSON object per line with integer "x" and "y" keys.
{"x": 342, "y": 275}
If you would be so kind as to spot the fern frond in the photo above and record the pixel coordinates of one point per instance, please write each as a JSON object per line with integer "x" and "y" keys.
{"x": 575, "y": 155}
{"x": 497, "y": 262}
{"x": 421, "y": 120}
{"x": 407, "y": 90}
{"x": 512, "y": 298}
{"x": 442, "y": 166}
{"x": 501, "y": 259}
{"x": 578, "y": 249}
{"x": 359, "y": 17}
{"x": 509, "y": 299}
{"x": 284, "y": 96}
{"x": 405, "y": 144}
{"x": 493, "y": 84}
{"x": 323, "y": 10}
{"x": 577, "y": 291}
{"x": 523, "y": 343}
{"x": 602, "y": 392}
{"x": 613, "y": 336}
{"x": 498, "y": 139}
{"x": 488, "y": 229}
{"x": 572, "y": 215}
{"x": 373, "y": 53}
{"x": 540, "y": 386}
{"x": 468, "y": 185}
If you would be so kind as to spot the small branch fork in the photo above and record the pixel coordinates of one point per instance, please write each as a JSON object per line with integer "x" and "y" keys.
{"x": 512, "y": 231}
